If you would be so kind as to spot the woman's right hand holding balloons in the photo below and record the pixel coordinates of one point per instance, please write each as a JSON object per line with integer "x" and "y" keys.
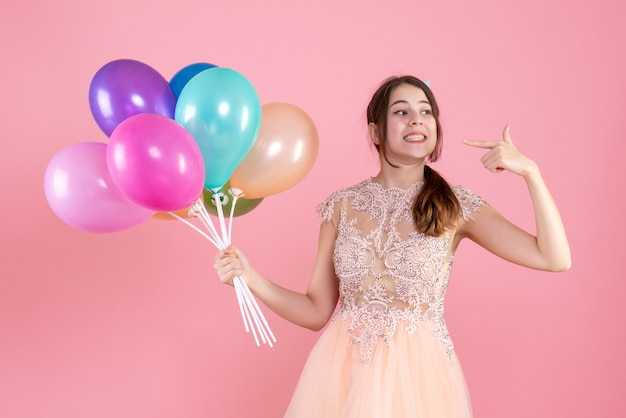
{"x": 230, "y": 263}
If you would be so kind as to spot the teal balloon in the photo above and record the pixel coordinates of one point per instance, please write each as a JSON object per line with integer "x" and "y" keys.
{"x": 222, "y": 111}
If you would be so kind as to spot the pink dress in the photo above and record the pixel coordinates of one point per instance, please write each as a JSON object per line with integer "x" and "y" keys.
{"x": 386, "y": 353}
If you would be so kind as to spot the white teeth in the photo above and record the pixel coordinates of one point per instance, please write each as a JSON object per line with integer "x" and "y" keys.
{"x": 414, "y": 138}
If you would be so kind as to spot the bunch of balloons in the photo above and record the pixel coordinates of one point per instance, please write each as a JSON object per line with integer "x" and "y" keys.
{"x": 188, "y": 147}
{"x": 173, "y": 143}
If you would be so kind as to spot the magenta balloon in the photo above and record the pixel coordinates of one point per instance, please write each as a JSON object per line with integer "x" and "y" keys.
{"x": 82, "y": 194}
{"x": 156, "y": 162}
{"x": 124, "y": 88}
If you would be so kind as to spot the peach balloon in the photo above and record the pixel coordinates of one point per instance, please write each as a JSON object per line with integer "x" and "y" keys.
{"x": 282, "y": 155}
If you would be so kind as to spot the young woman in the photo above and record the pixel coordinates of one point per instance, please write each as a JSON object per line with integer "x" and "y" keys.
{"x": 386, "y": 246}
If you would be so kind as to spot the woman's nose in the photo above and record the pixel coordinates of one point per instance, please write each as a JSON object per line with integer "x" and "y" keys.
{"x": 416, "y": 121}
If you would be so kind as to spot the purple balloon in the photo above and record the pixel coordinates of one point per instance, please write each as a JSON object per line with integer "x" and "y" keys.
{"x": 156, "y": 162}
{"x": 81, "y": 193}
{"x": 124, "y": 88}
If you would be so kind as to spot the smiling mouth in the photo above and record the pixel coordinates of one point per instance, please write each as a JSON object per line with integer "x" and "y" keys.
{"x": 414, "y": 138}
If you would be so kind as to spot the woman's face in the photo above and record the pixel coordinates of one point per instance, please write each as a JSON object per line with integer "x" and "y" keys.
{"x": 411, "y": 126}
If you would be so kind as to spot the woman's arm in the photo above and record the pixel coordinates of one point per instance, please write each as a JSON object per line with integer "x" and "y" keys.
{"x": 549, "y": 249}
{"x": 312, "y": 309}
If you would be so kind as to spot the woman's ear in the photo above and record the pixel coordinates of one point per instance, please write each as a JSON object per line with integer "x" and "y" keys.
{"x": 373, "y": 131}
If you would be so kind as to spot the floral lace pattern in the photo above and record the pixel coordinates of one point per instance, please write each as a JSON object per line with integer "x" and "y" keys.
{"x": 388, "y": 272}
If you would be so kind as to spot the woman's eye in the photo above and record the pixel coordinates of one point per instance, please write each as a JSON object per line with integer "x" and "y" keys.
{"x": 426, "y": 112}
{"x": 400, "y": 112}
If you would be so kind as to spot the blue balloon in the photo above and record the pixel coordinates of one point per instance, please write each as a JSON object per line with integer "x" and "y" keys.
{"x": 182, "y": 77}
{"x": 222, "y": 111}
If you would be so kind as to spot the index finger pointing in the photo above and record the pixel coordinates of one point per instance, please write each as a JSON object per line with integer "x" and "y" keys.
{"x": 481, "y": 144}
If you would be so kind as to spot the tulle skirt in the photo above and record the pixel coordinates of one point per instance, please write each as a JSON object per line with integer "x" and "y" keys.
{"x": 414, "y": 376}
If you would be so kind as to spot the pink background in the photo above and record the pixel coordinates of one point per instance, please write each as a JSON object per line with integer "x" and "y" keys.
{"x": 136, "y": 324}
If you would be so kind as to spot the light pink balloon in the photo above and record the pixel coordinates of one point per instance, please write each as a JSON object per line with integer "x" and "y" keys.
{"x": 156, "y": 162}
{"x": 82, "y": 194}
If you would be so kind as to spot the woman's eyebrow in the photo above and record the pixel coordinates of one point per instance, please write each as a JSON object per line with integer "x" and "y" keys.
{"x": 406, "y": 102}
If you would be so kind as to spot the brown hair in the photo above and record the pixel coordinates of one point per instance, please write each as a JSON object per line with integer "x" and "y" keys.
{"x": 436, "y": 206}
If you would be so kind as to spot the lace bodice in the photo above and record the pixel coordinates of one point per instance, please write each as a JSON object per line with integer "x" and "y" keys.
{"x": 388, "y": 272}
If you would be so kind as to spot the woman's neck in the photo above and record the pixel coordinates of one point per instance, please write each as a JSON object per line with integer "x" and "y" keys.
{"x": 402, "y": 177}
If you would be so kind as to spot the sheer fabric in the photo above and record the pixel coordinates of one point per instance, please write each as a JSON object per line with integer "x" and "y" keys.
{"x": 387, "y": 351}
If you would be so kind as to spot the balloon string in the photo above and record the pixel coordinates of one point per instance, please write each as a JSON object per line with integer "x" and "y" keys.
{"x": 202, "y": 214}
{"x": 252, "y": 316}
{"x": 243, "y": 308}
{"x": 257, "y": 309}
{"x": 232, "y": 215}
{"x": 192, "y": 226}
{"x": 241, "y": 298}
{"x": 257, "y": 314}
{"x": 220, "y": 215}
